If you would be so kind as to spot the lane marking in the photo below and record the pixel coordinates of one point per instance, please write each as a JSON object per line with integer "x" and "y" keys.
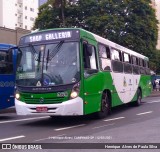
{"x": 144, "y": 113}
{"x": 69, "y": 127}
{"x": 11, "y": 138}
{"x": 2, "y": 122}
{"x": 103, "y": 126}
{"x": 114, "y": 119}
{"x": 50, "y": 137}
{"x": 156, "y": 101}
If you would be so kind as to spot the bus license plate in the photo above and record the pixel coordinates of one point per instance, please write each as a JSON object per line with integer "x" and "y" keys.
{"x": 41, "y": 109}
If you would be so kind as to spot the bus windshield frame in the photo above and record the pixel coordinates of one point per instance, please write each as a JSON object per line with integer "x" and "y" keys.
{"x": 49, "y": 64}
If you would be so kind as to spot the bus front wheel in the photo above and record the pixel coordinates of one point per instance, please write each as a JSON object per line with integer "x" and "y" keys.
{"x": 105, "y": 107}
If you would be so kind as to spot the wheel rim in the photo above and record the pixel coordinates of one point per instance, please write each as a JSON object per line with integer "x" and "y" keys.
{"x": 139, "y": 98}
{"x": 104, "y": 104}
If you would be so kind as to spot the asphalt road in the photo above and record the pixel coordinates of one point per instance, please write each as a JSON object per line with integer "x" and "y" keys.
{"x": 125, "y": 125}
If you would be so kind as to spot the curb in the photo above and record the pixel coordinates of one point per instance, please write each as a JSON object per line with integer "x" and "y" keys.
{"x": 155, "y": 94}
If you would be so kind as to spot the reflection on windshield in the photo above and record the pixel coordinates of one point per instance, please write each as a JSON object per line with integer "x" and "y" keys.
{"x": 49, "y": 65}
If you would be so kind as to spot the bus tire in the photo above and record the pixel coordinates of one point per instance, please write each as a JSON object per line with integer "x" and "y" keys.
{"x": 105, "y": 107}
{"x": 139, "y": 98}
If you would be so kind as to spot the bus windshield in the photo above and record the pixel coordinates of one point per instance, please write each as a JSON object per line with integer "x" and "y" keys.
{"x": 49, "y": 64}
{"x": 6, "y": 65}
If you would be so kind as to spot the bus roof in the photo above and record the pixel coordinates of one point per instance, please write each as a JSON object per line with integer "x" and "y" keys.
{"x": 98, "y": 39}
{"x": 4, "y": 46}
{"x": 115, "y": 45}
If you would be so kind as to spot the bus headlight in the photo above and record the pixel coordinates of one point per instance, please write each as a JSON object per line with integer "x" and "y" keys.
{"x": 74, "y": 94}
{"x": 17, "y": 95}
{"x": 75, "y": 91}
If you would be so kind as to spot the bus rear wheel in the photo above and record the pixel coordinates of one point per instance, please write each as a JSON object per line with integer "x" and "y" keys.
{"x": 105, "y": 107}
{"x": 139, "y": 98}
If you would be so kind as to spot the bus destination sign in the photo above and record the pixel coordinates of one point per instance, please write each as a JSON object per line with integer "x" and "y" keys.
{"x": 50, "y": 35}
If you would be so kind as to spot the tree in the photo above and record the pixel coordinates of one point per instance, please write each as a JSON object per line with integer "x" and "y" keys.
{"x": 52, "y": 14}
{"x": 129, "y": 23}
{"x": 61, "y": 5}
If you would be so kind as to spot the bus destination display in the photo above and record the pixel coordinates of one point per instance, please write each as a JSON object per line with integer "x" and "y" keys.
{"x": 50, "y": 35}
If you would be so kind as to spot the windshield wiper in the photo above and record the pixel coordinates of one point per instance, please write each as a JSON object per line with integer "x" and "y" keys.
{"x": 39, "y": 60}
{"x": 47, "y": 60}
{"x": 34, "y": 52}
{"x": 55, "y": 50}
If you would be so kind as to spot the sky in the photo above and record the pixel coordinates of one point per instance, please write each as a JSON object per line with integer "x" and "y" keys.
{"x": 42, "y": 2}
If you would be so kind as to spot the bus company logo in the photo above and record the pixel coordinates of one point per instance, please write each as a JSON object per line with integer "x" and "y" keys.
{"x": 6, "y": 146}
{"x": 1, "y": 84}
{"x": 41, "y": 100}
{"x": 6, "y": 84}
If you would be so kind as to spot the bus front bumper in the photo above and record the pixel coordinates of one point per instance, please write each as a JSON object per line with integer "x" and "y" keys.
{"x": 68, "y": 108}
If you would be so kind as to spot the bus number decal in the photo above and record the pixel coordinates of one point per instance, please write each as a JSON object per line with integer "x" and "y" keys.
{"x": 62, "y": 94}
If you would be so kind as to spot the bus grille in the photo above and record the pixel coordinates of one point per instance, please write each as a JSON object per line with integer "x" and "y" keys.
{"x": 44, "y": 101}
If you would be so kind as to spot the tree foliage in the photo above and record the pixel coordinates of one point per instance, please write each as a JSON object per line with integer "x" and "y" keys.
{"x": 129, "y": 23}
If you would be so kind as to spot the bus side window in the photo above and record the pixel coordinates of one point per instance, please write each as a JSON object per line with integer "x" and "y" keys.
{"x": 90, "y": 60}
{"x": 117, "y": 64}
{"x": 127, "y": 63}
{"x": 135, "y": 65}
{"x": 104, "y": 55}
{"x": 86, "y": 56}
{"x": 147, "y": 64}
{"x": 147, "y": 68}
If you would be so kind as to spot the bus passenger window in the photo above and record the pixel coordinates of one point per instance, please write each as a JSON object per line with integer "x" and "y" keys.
{"x": 147, "y": 64}
{"x": 134, "y": 60}
{"x": 127, "y": 66}
{"x": 116, "y": 55}
{"x": 126, "y": 58}
{"x": 117, "y": 64}
{"x": 104, "y": 54}
{"x": 141, "y": 62}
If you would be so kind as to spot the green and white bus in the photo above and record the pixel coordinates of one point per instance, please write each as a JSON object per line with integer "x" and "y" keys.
{"x": 70, "y": 71}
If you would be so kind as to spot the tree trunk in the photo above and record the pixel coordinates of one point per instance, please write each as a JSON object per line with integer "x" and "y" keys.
{"x": 62, "y": 12}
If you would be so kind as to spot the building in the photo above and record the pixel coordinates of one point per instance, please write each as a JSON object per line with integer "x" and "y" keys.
{"x": 12, "y": 36}
{"x": 18, "y": 13}
{"x": 156, "y": 6}
{"x": 41, "y": 2}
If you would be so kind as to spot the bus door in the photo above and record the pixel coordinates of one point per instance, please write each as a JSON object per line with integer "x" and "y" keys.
{"x": 92, "y": 79}
{"x": 7, "y": 79}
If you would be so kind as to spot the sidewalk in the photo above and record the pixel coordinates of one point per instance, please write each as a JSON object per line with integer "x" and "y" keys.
{"x": 155, "y": 94}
